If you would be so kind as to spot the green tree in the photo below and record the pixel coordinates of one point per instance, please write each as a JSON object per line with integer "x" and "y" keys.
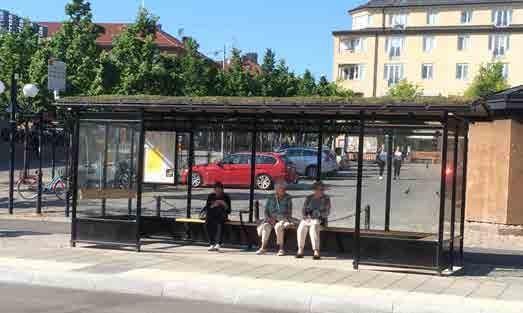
{"x": 75, "y": 44}
{"x": 266, "y": 79}
{"x": 197, "y": 76}
{"x": 306, "y": 84}
{"x": 235, "y": 79}
{"x": 489, "y": 80}
{"x": 38, "y": 76}
{"x": 405, "y": 90}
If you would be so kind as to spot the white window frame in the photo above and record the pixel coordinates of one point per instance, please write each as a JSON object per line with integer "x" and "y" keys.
{"x": 462, "y": 71}
{"x": 398, "y": 20}
{"x": 499, "y": 44}
{"x": 465, "y": 42}
{"x": 393, "y": 73}
{"x": 352, "y": 45}
{"x": 357, "y": 73}
{"x": 361, "y": 21}
{"x": 432, "y": 17}
{"x": 466, "y": 16}
{"x": 502, "y": 17}
{"x": 428, "y": 69}
{"x": 394, "y": 46}
{"x": 425, "y": 44}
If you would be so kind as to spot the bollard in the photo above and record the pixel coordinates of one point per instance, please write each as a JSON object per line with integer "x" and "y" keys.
{"x": 158, "y": 205}
{"x": 367, "y": 217}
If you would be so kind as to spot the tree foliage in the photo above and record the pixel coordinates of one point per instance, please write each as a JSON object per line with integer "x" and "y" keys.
{"x": 135, "y": 65}
{"x": 489, "y": 80}
{"x": 405, "y": 90}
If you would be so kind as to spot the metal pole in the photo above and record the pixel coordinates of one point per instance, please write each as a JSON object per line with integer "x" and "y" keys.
{"x": 389, "y": 181}
{"x": 26, "y": 149}
{"x": 453, "y": 204}
{"x": 40, "y": 162}
{"x": 319, "y": 155}
{"x": 131, "y": 174}
{"x": 67, "y": 151}
{"x": 253, "y": 174}
{"x": 53, "y": 154}
{"x": 104, "y": 167}
{"x": 74, "y": 175}
{"x": 442, "y": 191}
{"x": 359, "y": 184}
{"x": 189, "y": 173}
{"x": 12, "y": 122}
{"x": 176, "y": 159}
{"x": 139, "y": 181}
{"x": 464, "y": 191}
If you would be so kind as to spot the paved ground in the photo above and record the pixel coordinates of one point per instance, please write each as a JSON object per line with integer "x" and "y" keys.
{"x": 16, "y": 298}
{"x": 243, "y": 279}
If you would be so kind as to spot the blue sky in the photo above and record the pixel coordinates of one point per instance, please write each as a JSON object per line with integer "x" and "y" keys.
{"x": 298, "y": 30}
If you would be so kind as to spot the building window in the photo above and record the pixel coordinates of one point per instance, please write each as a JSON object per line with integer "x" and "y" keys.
{"x": 398, "y": 20}
{"x": 466, "y": 17}
{"x": 429, "y": 43}
{"x": 352, "y": 45}
{"x": 394, "y": 46}
{"x": 393, "y": 73}
{"x": 499, "y": 44}
{"x": 501, "y": 17}
{"x": 462, "y": 71}
{"x": 361, "y": 21}
{"x": 432, "y": 16}
{"x": 427, "y": 71}
{"x": 463, "y": 42}
{"x": 504, "y": 70}
{"x": 352, "y": 72}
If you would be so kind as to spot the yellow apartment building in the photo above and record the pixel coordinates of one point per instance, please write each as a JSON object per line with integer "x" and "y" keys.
{"x": 437, "y": 44}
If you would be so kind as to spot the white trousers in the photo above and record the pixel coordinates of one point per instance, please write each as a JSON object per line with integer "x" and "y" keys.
{"x": 265, "y": 229}
{"x": 313, "y": 228}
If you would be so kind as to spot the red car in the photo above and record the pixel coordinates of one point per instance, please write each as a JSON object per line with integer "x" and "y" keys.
{"x": 235, "y": 170}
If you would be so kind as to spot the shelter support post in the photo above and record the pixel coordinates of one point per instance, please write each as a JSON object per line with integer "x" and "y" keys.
{"x": 464, "y": 191}
{"x": 131, "y": 173}
{"x": 190, "y": 161}
{"x": 453, "y": 205}
{"x": 176, "y": 159}
{"x": 319, "y": 155}
{"x": 104, "y": 166}
{"x": 390, "y": 148}
{"x": 40, "y": 162}
{"x": 359, "y": 184}
{"x": 67, "y": 167}
{"x": 139, "y": 180}
{"x": 74, "y": 175}
{"x": 253, "y": 174}
{"x": 442, "y": 192}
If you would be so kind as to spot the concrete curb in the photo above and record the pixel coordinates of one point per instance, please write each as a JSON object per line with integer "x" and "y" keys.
{"x": 280, "y": 299}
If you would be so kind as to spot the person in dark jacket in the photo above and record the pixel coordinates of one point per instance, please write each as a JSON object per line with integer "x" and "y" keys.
{"x": 218, "y": 207}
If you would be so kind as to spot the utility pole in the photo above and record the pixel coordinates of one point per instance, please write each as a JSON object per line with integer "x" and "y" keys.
{"x": 12, "y": 124}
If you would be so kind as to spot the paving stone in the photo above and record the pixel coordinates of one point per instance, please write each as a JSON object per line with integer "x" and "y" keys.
{"x": 435, "y": 285}
{"x": 513, "y": 292}
{"x": 358, "y": 278}
{"x": 383, "y": 281}
{"x": 409, "y": 282}
{"x": 331, "y": 277}
{"x": 462, "y": 287}
{"x": 489, "y": 290}
{"x": 308, "y": 275}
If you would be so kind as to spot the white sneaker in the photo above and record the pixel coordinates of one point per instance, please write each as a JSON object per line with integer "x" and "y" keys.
{"x": 281, "y": 252}
{"x": 381, "y": 177}
{"x": 217, "y": 247}
{"x": 260, "y": 251}
{"x": 212, "y": 248}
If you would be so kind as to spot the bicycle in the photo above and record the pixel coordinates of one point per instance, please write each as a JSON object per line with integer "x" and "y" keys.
{"x": 27, "y": 187}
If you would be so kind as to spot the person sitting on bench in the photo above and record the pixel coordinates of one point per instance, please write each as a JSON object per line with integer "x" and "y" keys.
{"x": 316, "y": 210}
{"x": 278, "y": 212}
{"x": 218, "y": 207}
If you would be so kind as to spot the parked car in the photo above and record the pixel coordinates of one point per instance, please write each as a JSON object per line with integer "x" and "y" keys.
{"x": 306, "y": 159}
{"x": 235, "y": 170}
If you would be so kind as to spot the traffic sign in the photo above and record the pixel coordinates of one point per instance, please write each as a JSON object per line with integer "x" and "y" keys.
{"x": 56, "y": 75}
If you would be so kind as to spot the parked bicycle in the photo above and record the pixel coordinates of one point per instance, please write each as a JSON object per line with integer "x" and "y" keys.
{"x": 27, "y": 186}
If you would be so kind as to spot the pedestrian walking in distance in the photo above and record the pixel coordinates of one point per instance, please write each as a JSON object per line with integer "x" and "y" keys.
{"x": 398, "y": 159}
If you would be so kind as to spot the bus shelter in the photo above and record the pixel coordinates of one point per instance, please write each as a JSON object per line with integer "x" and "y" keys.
{"x": 395, "y": 171}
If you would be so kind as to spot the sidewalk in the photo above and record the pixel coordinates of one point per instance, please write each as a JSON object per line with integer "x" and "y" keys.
{"x": 278, "y": 284}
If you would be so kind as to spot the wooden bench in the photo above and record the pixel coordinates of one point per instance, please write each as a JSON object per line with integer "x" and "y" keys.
{"x": 106, "y": 193}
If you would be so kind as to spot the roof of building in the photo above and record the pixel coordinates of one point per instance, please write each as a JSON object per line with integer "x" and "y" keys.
{"x": 415, "y": 3}
{"x": 111, "y": 30}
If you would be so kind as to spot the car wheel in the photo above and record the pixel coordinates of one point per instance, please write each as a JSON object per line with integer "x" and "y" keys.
{"x": 197, "y": 180}
{"x": 264, "y": 182}
{"x": 311, "y": 171}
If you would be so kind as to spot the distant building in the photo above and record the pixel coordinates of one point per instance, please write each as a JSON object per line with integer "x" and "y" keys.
{"x": 249, "y": 61}
{"x": 437, "y": 44}
{"x": 12, "y": 23}
{"x": 165, "y": 42}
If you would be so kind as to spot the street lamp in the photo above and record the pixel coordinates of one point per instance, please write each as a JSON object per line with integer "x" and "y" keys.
{"x": 30, "y": 90}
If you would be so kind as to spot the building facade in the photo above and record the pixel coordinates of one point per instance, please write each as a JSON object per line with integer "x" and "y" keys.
{"x": 12, "y": 23}
{"x": 436, "y": 44}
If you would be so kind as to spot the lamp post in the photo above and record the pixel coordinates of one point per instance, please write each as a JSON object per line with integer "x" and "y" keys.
{"x": 30, "y": 91}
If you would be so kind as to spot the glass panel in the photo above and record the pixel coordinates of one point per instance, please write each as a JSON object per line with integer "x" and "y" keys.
{"x": 460, "y": 172}
{"x": 449, "y": 172}
{"x": 415, "y": 193}
{"x": 107, "y": 169}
